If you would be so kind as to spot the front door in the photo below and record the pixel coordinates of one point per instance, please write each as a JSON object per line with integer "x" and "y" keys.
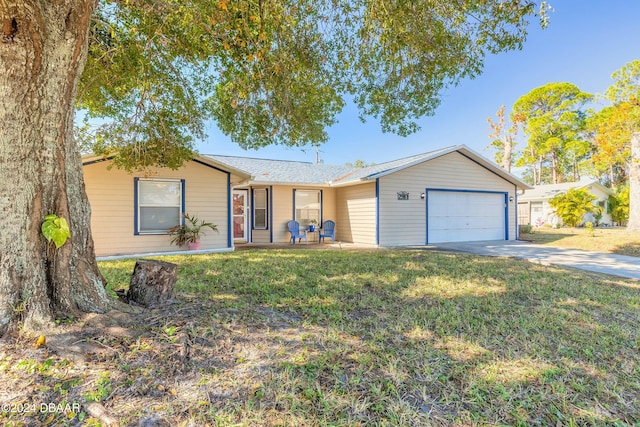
{"x": 240, "y": 215}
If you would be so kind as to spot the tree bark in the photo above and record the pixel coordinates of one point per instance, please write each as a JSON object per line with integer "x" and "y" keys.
{"x": 43, "y": 48}
{"x": 508, "y": 153}
{"x": 554, "y": 167}
{"x": 634, "y": 184}
{"x": 152, "y": 282}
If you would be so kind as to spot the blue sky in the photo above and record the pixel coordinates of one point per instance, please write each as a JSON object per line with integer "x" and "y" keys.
{"x": 586, "y": 41}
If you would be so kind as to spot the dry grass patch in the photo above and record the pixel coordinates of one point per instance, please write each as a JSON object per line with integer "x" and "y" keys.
{"x": 374, "y": 338}
{"x": 607, "y": 240}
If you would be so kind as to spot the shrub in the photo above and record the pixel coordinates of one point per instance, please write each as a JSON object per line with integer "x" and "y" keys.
{"x": 526, "y": 229}
{"x": 589, "y": 226}
{"x": 619, "y": 206}
{"x": 573, "y": 205}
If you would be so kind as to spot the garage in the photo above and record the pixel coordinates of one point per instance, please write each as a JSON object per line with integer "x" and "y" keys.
{"x": 466, "y": 215}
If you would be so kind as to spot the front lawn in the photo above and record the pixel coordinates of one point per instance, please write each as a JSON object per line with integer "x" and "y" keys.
{"x": 608, "y": 240}
{"x": 356, "y": 338}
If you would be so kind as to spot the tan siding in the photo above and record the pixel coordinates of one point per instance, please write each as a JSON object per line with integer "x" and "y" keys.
{"x": 111, "y": 195}
{"x": 329, "y": 206}
{"x": 282, "y": 212}
{"x": 356, "y": 214}
{"x": 261, "y": 236}
{"x": 403, "y": 222}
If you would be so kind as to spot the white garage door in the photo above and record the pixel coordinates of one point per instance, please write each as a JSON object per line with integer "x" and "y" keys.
{"x": 461, "y": 216}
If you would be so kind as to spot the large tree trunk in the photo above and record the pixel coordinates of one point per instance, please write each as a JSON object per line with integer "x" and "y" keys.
{"x": 508, "y": 153}
{"x": 43, "y": 47}
{"x": 554, "y": 168}
{"x": 634, "y": 184}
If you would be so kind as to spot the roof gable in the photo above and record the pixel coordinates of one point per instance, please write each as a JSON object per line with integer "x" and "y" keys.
{"x": 378, "y": 171}
{"x": 89, "y": 159}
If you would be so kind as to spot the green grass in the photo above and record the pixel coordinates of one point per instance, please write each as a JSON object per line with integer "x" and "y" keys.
{"x": 377, "y": 338}
{"x": 608, "y": 240}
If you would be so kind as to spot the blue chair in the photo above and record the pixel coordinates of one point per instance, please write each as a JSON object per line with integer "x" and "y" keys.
{"x": 328, "y": 230}
{"x": 294, "y": 229}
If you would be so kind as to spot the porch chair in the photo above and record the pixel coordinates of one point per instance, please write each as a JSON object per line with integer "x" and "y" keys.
{"x": 294, "y": 229}
{"x": 328, "y": 230}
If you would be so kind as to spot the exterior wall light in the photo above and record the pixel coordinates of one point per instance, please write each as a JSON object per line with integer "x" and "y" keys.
{"x": 422, "y": 195}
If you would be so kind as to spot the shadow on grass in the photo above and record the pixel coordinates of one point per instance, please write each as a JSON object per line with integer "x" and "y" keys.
{"x": 422, "y": 337}
{"x": 542, "y": 238}
{"x": 280, "y": 337}
{"x": 629, "y": 249}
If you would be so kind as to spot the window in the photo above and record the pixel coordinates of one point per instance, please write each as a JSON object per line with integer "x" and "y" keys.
{"x": 260, "y": 209}
{"x": 159, "y": 205}
{"x": 308, "y": 206}
{"x": 536, "y": 209}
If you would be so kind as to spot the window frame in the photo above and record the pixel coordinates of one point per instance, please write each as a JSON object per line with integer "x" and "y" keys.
{"x": 295, "y": 208}
{"x": 254, "y": 208}
{"x": 137, "y": 205}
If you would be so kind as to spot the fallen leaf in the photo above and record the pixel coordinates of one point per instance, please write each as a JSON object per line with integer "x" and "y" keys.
{"x": 41, "y": 341}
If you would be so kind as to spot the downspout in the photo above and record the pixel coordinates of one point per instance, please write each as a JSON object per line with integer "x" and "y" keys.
{"x": 229, "y": 214}
{"x": 377, "y": 211}
{"x": 515, "y": 192}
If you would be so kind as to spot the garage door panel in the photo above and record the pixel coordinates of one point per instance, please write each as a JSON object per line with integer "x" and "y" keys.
{"x": 456, "y": 216}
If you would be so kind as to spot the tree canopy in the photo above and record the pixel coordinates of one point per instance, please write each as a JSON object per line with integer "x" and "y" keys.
{"x": 554, "y": 123}
{"x": 611, "y": 151}
{"x": 277, "y": 72}
{"x": 625, "y": 95}
{"x": 564, "y": 140}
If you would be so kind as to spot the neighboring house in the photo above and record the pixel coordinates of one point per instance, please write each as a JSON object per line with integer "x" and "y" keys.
{"x": 452, "y": 194}
{"x": 534, "y": 208}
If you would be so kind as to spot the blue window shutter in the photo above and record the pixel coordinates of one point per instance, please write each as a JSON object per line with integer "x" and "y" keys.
{"x": 293, "y": 215}
{"x": 270, "y": 216}
{"x": 229, "y": 212}
{"x": 321, "y": 208}
{"x": 184, "y": 204}
{"x": 136, "y": 230}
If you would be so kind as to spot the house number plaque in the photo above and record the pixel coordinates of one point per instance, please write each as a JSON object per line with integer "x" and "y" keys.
{"x": 403, "y": 195}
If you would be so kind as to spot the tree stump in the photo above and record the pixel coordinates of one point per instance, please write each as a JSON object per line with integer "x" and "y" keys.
{"x": 152, "y": 282}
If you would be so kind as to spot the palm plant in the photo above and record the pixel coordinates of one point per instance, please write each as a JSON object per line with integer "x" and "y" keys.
{"x": 190, "y": 231}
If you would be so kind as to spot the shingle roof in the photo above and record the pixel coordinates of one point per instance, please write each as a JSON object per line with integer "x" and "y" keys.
{"x": 547, "y": 191}
{"x": 284, "y": 171}
{"x": 292, "y": 172}
{"x": 266, "y": 171}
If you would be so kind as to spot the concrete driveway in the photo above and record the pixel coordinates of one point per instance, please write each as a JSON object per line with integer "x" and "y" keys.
{"x": 617, "y": 265}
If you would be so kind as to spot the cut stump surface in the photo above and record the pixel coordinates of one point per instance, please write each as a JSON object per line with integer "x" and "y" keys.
{"x": 152, "y": 282}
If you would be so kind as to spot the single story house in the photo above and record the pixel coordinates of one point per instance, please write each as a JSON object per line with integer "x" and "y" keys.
{"x": 447, "y": 195}
{"x": 534, "y": 208}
